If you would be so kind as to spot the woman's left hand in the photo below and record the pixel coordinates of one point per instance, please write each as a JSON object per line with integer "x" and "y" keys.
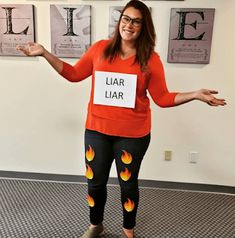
{"x": 207, "y": 96}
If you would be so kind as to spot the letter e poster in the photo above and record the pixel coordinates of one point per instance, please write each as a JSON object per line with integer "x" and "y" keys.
{"x": 190, "y": 35}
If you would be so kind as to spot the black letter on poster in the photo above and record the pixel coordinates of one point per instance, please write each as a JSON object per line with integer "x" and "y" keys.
{"x": 9, "y": 31}
{"x": 70, "y": 22}
{"x": 182, "y": 24}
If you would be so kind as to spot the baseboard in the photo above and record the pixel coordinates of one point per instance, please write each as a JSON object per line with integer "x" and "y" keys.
{"x": 142, "y": 183}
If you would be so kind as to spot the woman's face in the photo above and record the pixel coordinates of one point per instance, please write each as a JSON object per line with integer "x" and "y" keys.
{"x": 130, "y": 25}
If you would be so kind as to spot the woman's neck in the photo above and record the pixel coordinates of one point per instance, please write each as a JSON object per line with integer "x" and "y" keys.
{"x": 127, "y": 50}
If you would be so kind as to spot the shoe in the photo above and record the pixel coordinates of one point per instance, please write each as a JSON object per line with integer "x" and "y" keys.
{"x": 94, "y": 232}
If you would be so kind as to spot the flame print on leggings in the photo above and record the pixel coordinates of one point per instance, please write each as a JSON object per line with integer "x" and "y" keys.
{"x": 126, "y": 157}
{"x": 91, "y": 201}
{"x": 90, "y": 154}
{"x": 129, "y": 205}
{"x": 125, "y": 175}
{"x": 89, "y": 173}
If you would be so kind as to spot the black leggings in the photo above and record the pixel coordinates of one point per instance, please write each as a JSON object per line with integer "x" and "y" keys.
{"x": 128, "y": 153}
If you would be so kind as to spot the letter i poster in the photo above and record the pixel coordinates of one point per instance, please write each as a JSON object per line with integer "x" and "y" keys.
{"x": 16, "y": 27}
{"x": 114, "y": 15}
{"x": 70, "y": 30}
{"x": 190, "y": 35}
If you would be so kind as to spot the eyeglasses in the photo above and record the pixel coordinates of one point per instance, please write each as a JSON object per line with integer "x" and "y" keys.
{"x": 136, "y": 22}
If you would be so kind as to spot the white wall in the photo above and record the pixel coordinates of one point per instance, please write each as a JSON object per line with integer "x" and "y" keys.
{"x": 42, "y": 115}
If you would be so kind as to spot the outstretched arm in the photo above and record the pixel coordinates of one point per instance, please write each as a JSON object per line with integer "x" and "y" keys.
{"x": 35, "y": 49}
{"x": 204, "y": 95}
{"x": 159, "y": 92}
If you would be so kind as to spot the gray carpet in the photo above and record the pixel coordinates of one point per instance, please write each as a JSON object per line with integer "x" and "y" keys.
{"x": 42, "y": 209}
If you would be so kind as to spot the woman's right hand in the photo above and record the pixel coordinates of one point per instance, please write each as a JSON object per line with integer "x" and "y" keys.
{"x": 32, "y": 49}
{"x": 35, "y": 49}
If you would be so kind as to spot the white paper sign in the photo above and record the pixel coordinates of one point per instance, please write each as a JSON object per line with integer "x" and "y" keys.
{"x": 115, "y": 89}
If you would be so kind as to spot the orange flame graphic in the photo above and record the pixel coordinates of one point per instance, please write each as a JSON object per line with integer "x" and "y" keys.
{"x": 90, "y": 201}
{"x": 129, "y": 205}
{"x": 125, "y": 175}
{"x": 90, "y": 154}
{"x": 126, "y": 157}
{"x": 89, "y": 172}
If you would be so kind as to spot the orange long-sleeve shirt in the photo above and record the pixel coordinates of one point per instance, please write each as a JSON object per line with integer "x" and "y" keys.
{"x": 120, "y": 121}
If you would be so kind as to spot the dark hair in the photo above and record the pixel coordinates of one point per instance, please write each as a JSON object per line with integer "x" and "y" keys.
{"x": 146, "y": 40}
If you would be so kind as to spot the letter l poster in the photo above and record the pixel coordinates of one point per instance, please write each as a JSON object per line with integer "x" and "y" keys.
{"x": 16, "y": 27}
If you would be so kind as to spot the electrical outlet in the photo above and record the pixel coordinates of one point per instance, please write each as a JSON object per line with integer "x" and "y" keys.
{"x": 168, "y": 155}
{"x": 193, "y": 157}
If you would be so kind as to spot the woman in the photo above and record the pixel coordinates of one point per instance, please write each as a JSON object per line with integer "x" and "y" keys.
{"x": 114, "y": 132}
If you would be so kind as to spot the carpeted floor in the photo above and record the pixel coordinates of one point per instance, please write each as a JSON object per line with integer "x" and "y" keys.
{"x": 42, "y": 209}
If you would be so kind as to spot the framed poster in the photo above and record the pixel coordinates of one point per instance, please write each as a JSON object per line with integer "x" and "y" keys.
{"x": 16, "y": 27}
{"x": 70, "y": 30}
{"x": 190, "y": 35}
{"x": 114, "y": 15}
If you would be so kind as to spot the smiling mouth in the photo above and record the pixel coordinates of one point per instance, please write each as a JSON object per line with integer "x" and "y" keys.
{"x": 128, "y": 31}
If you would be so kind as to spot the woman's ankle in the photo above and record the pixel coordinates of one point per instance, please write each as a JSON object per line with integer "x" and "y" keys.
{"x": 93, "y": 226}
{"x": 129, "y": 232}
